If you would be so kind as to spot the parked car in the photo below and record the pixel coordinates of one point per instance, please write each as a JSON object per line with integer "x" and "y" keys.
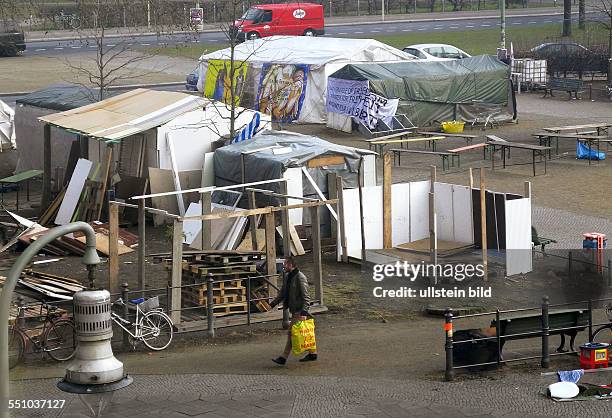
{"x": 12, "y": 40}
{"x": 565, "y": 58}
{"x": 191, "y": 81}
{"x": 280, "y": 19}
{"x": 436, "y": 52}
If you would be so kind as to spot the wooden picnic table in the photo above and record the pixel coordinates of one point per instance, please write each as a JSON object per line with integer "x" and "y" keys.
{"x": 599, "y": 126}
{"x": 536, "y": 150}
{"x": 379, "y": 144}
{"x": 17, "y": 179}
{"x": 397, "y": 153}
{"x": 545, "y": 138}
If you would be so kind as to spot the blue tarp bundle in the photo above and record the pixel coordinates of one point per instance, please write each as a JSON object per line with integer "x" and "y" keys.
{"x": 582, "y": 153}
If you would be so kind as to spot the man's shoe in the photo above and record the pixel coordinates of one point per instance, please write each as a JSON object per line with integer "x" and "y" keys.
{"x": 280, "y": 360}
{"x": 309, "y": 357}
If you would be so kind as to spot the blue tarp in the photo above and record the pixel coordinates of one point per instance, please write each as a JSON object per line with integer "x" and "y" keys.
{"x": 582, "y": 153}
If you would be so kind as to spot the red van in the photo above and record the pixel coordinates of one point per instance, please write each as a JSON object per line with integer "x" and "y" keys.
{"x": 281, "y": 19}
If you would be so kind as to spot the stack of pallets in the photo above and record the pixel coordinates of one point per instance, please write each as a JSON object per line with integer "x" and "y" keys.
{"x": 230, "y": 271}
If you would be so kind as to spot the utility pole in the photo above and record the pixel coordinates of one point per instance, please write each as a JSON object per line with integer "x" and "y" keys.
{"x": 383, "y": 10}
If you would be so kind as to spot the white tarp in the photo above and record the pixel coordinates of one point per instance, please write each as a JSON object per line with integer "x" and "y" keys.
{"x": 518, "y": 236}
{"x": 7, "y": 126}
{"x": 324, "y": 56}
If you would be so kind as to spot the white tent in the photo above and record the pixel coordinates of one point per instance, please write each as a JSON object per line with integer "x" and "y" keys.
{"x": 272, "y": 65}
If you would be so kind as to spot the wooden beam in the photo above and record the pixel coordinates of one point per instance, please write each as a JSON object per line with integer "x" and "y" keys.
{"x": 253, "y": 220}
{"x": 141, "y": 245}
{"x": 332, "y": 192}
{"x": 340, "y": 191}
{"x": 113, "y": 248}
{"x": 387, "y": 180}
{"x": 285, "y": 222}
{"x": 471, "y": 203}
{"x": 177, "y": 271}
{"x": 361, "y": 220}
{"x": 325, "y": 160}
{"x": 433, "y": 224}
{"x": 483, "y": 222}
{"x": 270, "y": 229}
{"x": 102, "y": 191}
{"x": 46, "y": 191}
{"x": 527, "y": 186}
{"x": 315, "y": 233}
{"x": 319, "y": 192}
{"x": 206, "y": 231}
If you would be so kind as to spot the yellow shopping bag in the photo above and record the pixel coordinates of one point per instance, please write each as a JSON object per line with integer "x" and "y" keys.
{"x": 303, "y": 336}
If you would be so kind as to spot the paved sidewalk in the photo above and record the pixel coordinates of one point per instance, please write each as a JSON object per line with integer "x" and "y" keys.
{"x": 198, "y": 395}
{"x": 567, "y": 227}
{"x": 35, "y": 36}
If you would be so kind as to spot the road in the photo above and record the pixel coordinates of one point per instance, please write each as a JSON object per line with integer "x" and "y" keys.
{"x": 53, "y": 48}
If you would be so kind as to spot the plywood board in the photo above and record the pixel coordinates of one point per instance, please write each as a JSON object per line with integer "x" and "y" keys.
{"x": 400, "y": 213}
{"x": 161, "y": 181}
{"x": 73, "y": 192}
{"x": 103, "y": 244}
{"x": 419, "y": 210}
{"x": 246, "y": 243}
{"x": 518, "y": 236}
{"x": 444, "y": 211}
{"x": 372, "y": 219}
{"x": 208, "y": 170}
{"x": 463, "y": 230}
{"x": 369, "y": 170}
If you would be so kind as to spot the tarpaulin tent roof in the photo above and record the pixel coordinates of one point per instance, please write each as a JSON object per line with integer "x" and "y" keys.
{"x": 126, "y": 114}
{"x": 309, "y": 50}
{"x": 436, "y": 90}
{"x": 279, "y": 150}
{"x": 60, "y": 97}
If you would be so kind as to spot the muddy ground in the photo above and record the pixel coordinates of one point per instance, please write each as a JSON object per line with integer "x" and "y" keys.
{"x": 364, "y": 336}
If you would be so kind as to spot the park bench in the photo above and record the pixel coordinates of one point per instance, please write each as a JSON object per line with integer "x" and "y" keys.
{"x": 397, "y": 152}
{"x": 564, "y": 84}
{"x": 540, "y": 241}
{"x": 16, "y": 180}
{"x": 562, "y": 322}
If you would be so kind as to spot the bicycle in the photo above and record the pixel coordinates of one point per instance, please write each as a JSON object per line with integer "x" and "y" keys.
{"x": 603, "y": 334}
{"x": 68, "y": 20}
{"x": 57, "y": 337}
{"x": 151, "y": 326}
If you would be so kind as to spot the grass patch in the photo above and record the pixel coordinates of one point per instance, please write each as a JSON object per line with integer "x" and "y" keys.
{"x": 485, "y": 41}
{"x": 193, "y": 51}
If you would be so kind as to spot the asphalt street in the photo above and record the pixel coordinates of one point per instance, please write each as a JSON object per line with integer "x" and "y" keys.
{"x": 63, "y": 47}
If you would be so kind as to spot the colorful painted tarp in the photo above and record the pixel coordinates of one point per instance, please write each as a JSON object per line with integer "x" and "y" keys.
{"x": 218, "y": 81}
{"x": 281, "y": 92}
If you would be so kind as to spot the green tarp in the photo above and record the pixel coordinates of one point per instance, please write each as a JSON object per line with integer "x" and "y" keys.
{"x": 432, "y": 92}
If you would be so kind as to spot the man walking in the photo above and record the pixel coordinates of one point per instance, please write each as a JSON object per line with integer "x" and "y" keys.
{"x": 294, "y": 296}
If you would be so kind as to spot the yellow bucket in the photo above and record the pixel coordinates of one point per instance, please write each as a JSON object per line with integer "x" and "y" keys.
{"x": 453, "y": 126}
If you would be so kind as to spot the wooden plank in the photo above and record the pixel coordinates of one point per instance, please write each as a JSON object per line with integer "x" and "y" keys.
{"x": 325, "y": 160}
{"x": 332, "y": 192}
{"x": 483, "y": 222}
{"x": 73, "y": 192}
{"x": 52, "y": 208}
{"x": 340, "y": 192}
{"x": 103, "y": 244}
{"x": 46, "y": 186}
{"x": 177, "y": 273}
{"x": 387, "y": 180}
{"x": 271, "y": 251}
{"x": 253, "y": 220}
{"x": 206, "y": 231}
{"x": 295, "y": 239}
{"x": 286, "y": 235}
{"x": 107, "y": 166}
{"x": 208, "y": 189}
{"x": 113, "y": 249}
{"x": 319, "y": 192}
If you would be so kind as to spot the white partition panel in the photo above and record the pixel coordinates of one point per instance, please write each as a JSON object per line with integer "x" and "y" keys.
{"x": 400, "y": 213}
{"x": 294, "y": 188}
{"x": 372, "y": 203}
{"x": 463, "y": 220}
{"x": 444, "y": 211}
{"x": 419, "y": 210}
{"x": 518, "y": 236}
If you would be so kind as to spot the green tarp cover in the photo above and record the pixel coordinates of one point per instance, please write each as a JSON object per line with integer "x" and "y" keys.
{"x": 438, "y": 90}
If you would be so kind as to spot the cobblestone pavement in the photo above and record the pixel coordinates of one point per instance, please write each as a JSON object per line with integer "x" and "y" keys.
{"x": 567, "y": 227}
{"x": 200, "y": 395}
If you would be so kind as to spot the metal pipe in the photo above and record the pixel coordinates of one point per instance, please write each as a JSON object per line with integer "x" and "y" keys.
{"x": 210, "y": 313}
{"x": 545, "y": 334}
{"x": 449, "y": 374}
{"x": 89, "y": 258}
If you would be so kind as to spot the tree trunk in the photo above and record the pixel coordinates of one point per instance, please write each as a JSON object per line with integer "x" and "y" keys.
{"x": 581, "y": 14}
{"x": 567, "y": 18}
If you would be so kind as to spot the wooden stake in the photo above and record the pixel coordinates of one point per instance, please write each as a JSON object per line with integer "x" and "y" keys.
{"x": 206, "y": 209}
{"x": 102, "y": 191}
{"x": 141, "y": 245}
{"x": 472, "y": 203}
{"x": 387, "y": 180}
{"x": 315, "y": 225}
{"x": 433, "y": 238}
{"x": 483, "y": 222}
{"x": 332, "y": 193}
{"x": 360, "y": 184}
{"x": 253, "y": 220}
{"x": 113, "y": 248}
{"x": 527, "y": 186}
{"x": 177, "y": 272}
{"x": 285, "y": 222}
{"x": 471, "y": 178}
{"x": 46, "y": 191}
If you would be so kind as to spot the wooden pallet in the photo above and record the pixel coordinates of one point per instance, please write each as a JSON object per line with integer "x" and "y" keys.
{"x": 205, "y": 269}
{"x": 201, "y": 300}
{"x": 230, "y": 308}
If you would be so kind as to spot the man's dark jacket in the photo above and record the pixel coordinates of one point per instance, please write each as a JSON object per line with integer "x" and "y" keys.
{"x": 294, "y": 293}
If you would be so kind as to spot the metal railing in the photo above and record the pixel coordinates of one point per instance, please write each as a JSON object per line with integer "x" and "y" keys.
{"x": 544, "y": 332}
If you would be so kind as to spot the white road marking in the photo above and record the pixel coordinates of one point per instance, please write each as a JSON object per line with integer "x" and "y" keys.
{"x": 548, "y": 21}
{"x": 110, "y": 45}
{"x": 406, "y": 30}
{"x": 342, "y": 33}
{"x": 41, "y": 49}
{"x": 195, "y": 41}
{"x": 453, "y": 27}
{"x": 485, "y": 25}
{"x": 145, "y": 44}
{"x": 532, "y": 23}
{"x": 213, "y": 40}
{"x": 75, "y": 47}
{"x": 421, "y": 29}
{"x": 374, "y": 31}
{"x": 469, "y": 26}
{"x": 358, "y": 32}
{"x": 517, "y": 23}
{"x": 58, "y": 48}
{"x": 92, "y": 46}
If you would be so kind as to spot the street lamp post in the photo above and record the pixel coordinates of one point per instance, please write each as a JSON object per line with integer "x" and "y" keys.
{"x": 502, "y": 11}
{"x": 383, "y": 10}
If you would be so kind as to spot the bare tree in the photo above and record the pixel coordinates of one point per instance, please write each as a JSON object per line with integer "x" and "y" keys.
{"x": 567, "y": 18}
{"x": 605, "y": 7}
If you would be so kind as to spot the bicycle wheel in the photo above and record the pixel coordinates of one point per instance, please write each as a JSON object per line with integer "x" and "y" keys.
{"x": 603, "y": 335}
{"x": 60, "y": 340}
{"x": 16, "y": 347}
{"x": 156, "y": 329}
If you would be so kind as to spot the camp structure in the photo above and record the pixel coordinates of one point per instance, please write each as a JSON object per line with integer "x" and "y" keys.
{"x": 286, "y": 76}
{"x": 146, "y": 136}
{"x": 429, "y": 92}
{"x": 52, "y": 99}
{"x": 304, "y": 160}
